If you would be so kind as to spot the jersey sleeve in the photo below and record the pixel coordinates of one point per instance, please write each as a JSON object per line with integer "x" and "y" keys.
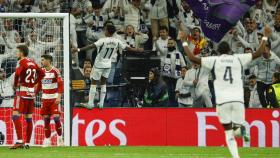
{"x": 99, "y": 43}
{"x": 208, "y": 62}
{"x": 245, "y": 59}
{"x": 59, "y": 82}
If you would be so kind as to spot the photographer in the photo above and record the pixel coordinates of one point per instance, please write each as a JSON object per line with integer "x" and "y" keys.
{"x": 156, "y": 94}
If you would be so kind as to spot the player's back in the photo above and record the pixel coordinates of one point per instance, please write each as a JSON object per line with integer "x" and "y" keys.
{"x": 106, "y": 47}
{"x": 227, "y": 71}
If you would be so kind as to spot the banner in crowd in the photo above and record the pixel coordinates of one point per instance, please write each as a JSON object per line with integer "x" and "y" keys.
{"x": 167, "y": 126}
{"x": 219, "y": 16}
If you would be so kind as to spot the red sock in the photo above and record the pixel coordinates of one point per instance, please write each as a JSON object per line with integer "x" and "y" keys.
{"x": 58, "y": 127}
{"x": 18, "y": 126}
{"x": 47, "y": 127}
{"x": 29, "y": 129}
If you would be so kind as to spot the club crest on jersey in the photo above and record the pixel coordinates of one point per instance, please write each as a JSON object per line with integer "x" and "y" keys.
{"x": 46, "y": 81}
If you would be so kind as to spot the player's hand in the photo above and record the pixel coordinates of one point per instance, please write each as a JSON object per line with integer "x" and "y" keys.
{"x": 74, "y": 50}
{"x": 58, "y": 100}
{"x": 267, "y": 31}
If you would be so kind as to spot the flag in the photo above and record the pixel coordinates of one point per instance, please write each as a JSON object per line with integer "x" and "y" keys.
{"x": 217, "y": 17}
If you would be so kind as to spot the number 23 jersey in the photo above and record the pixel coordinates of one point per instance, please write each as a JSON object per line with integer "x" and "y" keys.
{"x": 227, "y": 71}
{"x": 106, "y": 47}
{"x": 27, "y": 75}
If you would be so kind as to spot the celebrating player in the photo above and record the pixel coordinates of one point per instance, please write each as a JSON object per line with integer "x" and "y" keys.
{"x": 227, "y": 73}
{"x": 107, "y": 47}
{"x": 52, "y": 89}
{"x": 27, "y": 75}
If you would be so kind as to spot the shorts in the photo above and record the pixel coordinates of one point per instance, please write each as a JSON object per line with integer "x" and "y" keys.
{"x": 96, "y": 73}
{"x": 233, "y": 112}
{"x": 24, "y": 106}
{"x": 49, "y": 107}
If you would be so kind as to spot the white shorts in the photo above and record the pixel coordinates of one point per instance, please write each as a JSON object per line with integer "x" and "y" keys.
{"x": 96, "y": 73}
{"x": 231, "y": 112}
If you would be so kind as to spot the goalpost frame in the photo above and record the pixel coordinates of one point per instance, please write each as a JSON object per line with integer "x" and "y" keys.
{"x": 66, "y": 62}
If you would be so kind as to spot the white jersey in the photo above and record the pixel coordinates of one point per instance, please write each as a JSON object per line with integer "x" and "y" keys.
{"x": 227, "y": 74}
{"x": 106, "y": 48}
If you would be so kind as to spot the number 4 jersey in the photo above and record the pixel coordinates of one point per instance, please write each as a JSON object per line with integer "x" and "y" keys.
{"x": 106, "y": 47}
{"x": 227, "y": 71}
{"x": 27, "y": 75}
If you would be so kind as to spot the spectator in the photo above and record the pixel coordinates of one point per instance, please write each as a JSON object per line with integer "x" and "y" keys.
{"x": 134, "y": 39}
{"x": 3, "y": 6}
{"x": 197, "y": 41}
{"x": 171, "y": 69}
{"x": 197, "y": 79}
{"x": 187, "y": 17}
{"x": 161, "y": 43}
{"x": 6, "y": 89}
{"x": 87, "y": 64}
{"x": 275, "y": 38}
{"x": 79, "y": 9}
{"x": 254, "y": 97}
{"x": 112, "y": 9}
{"x": 267, "y": 65}
{"x": 87, "y": 73}
{"x": 274, "y": 91}
{"x": 183, "y": 93}
{"x": 156, "y": 94}
{"x": 158, "y": 15}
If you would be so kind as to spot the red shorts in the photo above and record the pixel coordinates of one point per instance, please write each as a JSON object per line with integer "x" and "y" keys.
{"x": 49, "y": 107}
{"x": 24, "y": 106}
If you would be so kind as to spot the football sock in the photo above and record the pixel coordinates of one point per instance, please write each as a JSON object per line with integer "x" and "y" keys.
{"x": 47, "y": 128}
{"x": 58, "y": 127}
{"x": 18, "y": 127}
{"x": 102, "y": 95}
{"x": 231, "y": 143}
{"x": 92, "y": 92}
{"x": 29, "y": 129}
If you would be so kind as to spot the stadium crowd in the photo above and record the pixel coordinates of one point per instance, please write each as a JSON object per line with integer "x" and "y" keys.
{"x": 146, "y": 26}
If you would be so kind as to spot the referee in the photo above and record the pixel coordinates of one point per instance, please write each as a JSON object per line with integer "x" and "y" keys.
{"x": 274, "y": 92}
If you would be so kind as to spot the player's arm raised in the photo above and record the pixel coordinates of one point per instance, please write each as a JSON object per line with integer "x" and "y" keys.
{"x": 187, "y": 51}
{"x": 261, "y": 49}
{"x": 91, "y": 46}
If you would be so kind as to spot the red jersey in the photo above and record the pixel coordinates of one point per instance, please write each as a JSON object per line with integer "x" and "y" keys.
{"x": 27, "y": 75}
{"x": 51, "y": 84}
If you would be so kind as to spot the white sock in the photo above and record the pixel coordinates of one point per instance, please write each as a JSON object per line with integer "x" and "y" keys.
{"x": 231, "y": 143}
{"x": 91, "y": 96}
{"x": 237, "y": 132}
{"x": 102, "y": 95}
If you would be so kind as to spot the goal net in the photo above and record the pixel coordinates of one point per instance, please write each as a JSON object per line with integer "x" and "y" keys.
{"x": 43, "y": 33}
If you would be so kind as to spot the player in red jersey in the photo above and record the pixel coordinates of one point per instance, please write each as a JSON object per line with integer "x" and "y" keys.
{"x": 52, "y": 89}
{"x": 27, "y": 75}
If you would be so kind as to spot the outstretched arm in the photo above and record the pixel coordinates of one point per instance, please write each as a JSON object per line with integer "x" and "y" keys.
{"x": 187, "y": 51}
{"x": 261, "y": 49}
{"x": 91, "y": 46}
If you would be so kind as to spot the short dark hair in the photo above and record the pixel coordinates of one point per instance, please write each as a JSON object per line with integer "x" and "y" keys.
{"x": 47, "y": 57}
{"x": 224, "y": 48}
{"x": 108, "y": 22}
{"x": 252, "y": 77}
{"x": 87, "y": 59}
{"x": 24, "y": 49}
{"x": 111, "y": 29}
{"x": 163, "y": 28}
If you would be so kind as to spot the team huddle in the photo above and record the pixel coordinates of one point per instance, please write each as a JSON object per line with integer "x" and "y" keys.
{"x": 29, "y": 80}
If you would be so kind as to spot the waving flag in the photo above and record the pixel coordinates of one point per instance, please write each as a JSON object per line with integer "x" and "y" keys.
{"x": 219, "y": 16}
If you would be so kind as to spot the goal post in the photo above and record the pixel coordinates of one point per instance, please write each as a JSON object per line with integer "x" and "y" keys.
{"x": 59, "y": 29}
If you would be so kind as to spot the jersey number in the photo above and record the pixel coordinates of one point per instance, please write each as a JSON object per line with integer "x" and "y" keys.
{"x": 30, "y": 75}
{"x": 228, "y": 75}
{"x": 109, "y": 52}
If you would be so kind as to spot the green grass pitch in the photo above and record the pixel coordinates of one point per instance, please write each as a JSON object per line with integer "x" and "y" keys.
{"x": 136, "y": 152}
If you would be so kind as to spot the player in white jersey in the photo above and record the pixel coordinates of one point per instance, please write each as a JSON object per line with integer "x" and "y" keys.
{"x": 106, "y": 48}
{"x": 228, "y": 84}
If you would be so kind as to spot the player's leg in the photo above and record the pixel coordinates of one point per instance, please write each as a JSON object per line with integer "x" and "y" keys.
{"x": 58, "y": 129}
{"x": 225, "y": 117}
{"x": 238, "y": 119}
{"x": 47, "y": 130}
{"x": 17, "y": 123}
{"x": 29, "y": 103}
{"x": 105, "y": 75}
{"x": 102, "y": 91}
{"x": 95, "y": 76}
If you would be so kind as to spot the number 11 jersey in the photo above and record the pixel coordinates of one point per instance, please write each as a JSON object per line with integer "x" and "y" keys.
{"x": 106, "y": 47}
{"x": 227, "y": 71}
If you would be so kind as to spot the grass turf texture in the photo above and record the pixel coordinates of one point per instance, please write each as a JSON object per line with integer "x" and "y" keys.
{"x": 136, "y": 152}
